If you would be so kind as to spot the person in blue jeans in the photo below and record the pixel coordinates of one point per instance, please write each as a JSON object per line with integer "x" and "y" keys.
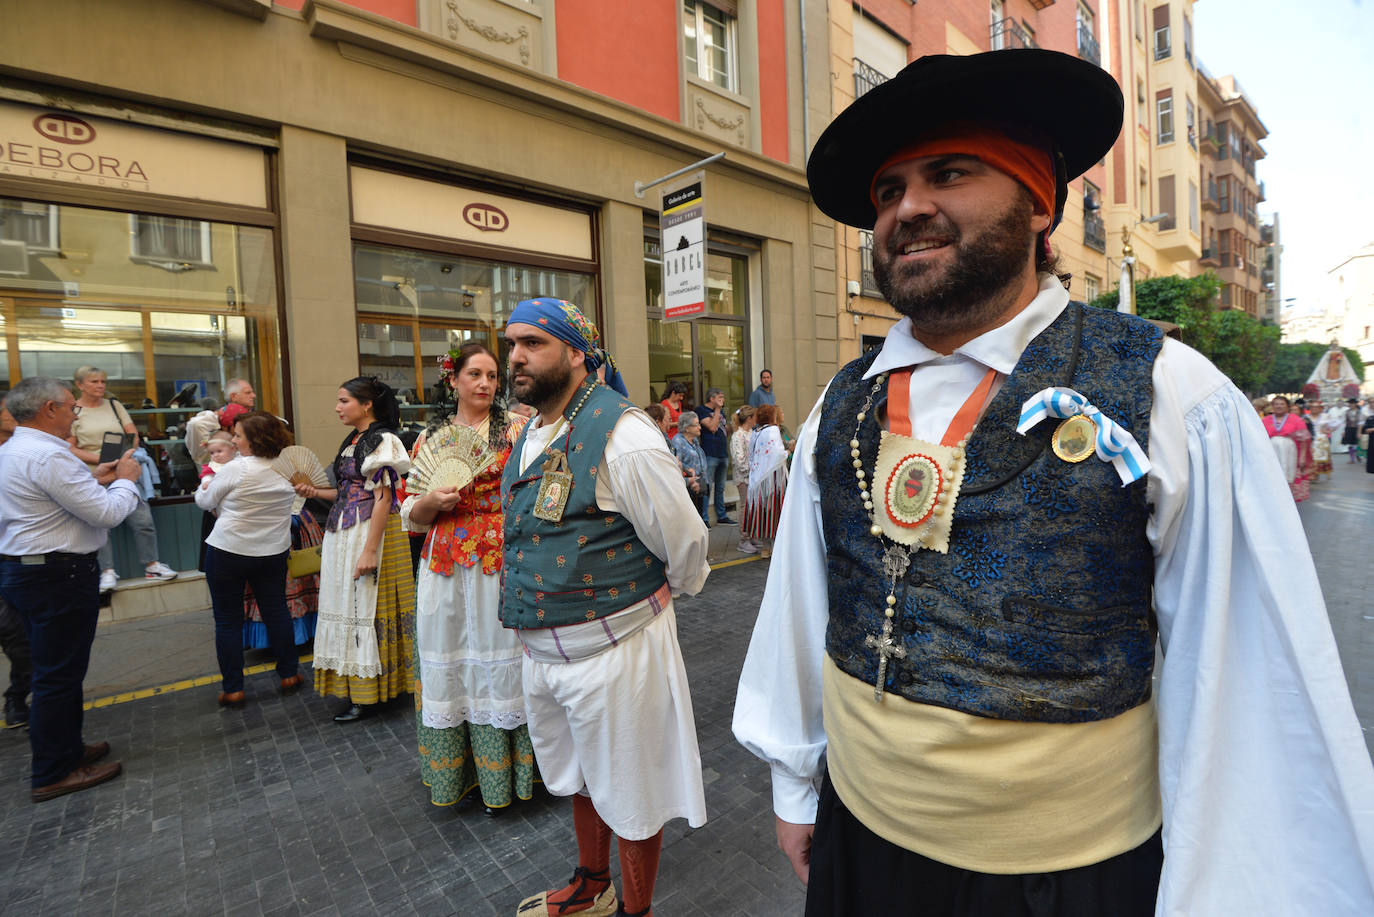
{"x": 715, "y": 443}
{"x": 248, "y": 546}
{"x": 54, "y": 514}
{"x": 687, "y": 447}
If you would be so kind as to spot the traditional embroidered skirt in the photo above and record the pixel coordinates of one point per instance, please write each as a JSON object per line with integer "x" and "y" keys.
{"x": 302, "y": 592}
{"x": 765, "y": 505}
{"x": 352, "y": 610}
{"x": 470, "y": 707}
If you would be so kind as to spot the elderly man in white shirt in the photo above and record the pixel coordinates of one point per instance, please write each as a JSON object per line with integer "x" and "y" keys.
{"x": 54, "y": 516}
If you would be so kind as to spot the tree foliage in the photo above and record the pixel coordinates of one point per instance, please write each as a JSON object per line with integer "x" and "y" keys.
{"x": 1240, "y": 345}
{"x": 1293, "y": 363}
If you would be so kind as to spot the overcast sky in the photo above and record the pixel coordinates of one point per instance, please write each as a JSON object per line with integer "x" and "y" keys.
{"x": 1308, "y": 68}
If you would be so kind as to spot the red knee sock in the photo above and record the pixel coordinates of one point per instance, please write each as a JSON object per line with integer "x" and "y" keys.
{"x": 638, "y": 870}
{"x": 593, "y": 856}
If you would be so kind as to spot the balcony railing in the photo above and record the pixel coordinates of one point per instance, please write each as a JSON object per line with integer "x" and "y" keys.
{"x": 867, "y": 77}
{"x": 1088, "y": 48}
{"x": 868, "y": 283}
{"x": 1267, "y": 233}
{"x": 1208, "y": 143}
{"x": 1209, "y": 257}
{"x": 1008, "y": 33}
{"x": 1094, "y": 232}
{"x": 1210, "y": 201}
{"x": 1261, "y": 192}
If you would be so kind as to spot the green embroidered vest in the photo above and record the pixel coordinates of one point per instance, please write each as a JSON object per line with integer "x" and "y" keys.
{"x": 591, "y": 563}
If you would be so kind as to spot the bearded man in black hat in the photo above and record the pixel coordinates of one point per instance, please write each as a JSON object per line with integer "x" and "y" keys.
{"x": 992, "y": 521}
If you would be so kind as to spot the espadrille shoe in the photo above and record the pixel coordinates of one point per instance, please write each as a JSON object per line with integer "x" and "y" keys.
{"x": 602, "y": 905}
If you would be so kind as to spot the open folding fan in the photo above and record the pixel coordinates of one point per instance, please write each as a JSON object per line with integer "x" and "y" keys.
{"x": 300, "y": 466}
{"x": 452, "y": 457}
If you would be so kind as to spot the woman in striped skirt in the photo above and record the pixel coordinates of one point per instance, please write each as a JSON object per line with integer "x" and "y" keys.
{"x": 767, "y": 477}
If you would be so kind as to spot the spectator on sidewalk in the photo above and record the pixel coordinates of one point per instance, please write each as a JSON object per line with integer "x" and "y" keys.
{"x": 687, "y": 448}
{"x": 673, "y": 397}
{"x": 54, "y": 516}
{"x": 13, "y": 640}
{"x": 99, "y": 414}
{"x": 764, "y": 393}
{"x": 714, "y": 433}
{"x": 241, "y": 397}
{"x": 248, "y": 548}
{"x": 739, "y": 462}
{"x": 659, "y": 415}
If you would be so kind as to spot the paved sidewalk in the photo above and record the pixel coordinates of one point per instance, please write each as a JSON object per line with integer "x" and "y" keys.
{"x": 277, "y": 810}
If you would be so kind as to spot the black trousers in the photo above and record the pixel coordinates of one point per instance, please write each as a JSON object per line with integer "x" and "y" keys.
{"x": 59, "y": 602}
{"x": 855, "y": 873}
{"x": 14, "y": 640}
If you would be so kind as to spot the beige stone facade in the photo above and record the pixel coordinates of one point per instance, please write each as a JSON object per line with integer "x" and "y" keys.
{"x": 469, "y": 99}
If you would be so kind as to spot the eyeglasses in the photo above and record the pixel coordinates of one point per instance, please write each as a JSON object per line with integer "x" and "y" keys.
{"x": 76, "y": 408}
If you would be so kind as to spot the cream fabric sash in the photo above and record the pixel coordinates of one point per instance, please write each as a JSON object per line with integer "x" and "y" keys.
{"x": 992, "y": 795}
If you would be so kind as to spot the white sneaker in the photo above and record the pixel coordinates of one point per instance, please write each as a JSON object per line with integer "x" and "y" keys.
{"x": 160, "y": 571}
{"x": 747, "y": 548}
{"x": 108, "y": 581}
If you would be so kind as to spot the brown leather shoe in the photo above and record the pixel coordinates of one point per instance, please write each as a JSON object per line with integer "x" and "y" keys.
{"x": 231, "y": 699}
{"x": 94, "y": 753}
{"x": 83, "y": 778}
{"x": 291, "y": 684}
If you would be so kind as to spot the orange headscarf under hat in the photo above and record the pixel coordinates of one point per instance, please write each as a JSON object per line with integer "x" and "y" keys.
{"x": 1029, "y": 164}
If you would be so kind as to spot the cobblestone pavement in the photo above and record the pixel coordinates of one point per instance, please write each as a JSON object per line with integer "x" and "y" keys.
{"x": 276, "y": 810}
{"x": 1339, "y": 521}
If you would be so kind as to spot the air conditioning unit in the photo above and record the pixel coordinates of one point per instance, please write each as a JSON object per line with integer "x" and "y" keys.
{"x": 14, "y": 257}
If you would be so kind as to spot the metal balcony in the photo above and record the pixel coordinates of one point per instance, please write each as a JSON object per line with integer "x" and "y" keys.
{"x": 1008, "y": 33}
{"x": 1210, "y": 201}
{"x": 1208, "y": 143}
{"x": 866, "y": 77}
{"x": 1094, "y": 232}
{"x": 868, "y": 282}
{"x": 1088, "y": 48}
{"x": 1209, "y": 257}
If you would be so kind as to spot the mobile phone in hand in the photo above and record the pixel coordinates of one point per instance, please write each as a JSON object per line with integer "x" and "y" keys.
{"x": 114, "y": 445}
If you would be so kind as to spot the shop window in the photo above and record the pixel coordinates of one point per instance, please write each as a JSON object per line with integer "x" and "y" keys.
{"x": 169, "y": 242}
{"x": 155, "y": 332}
{"x": 416, "y": 306}
{"x": 709, "y": 43}
{"x": 709, "y": 351}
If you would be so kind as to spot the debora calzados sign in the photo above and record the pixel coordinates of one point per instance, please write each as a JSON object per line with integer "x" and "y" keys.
{"x": 682, "y": 225}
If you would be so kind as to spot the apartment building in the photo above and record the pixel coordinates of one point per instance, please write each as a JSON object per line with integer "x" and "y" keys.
{"x": 873, "y": 39}
{"x": 1235, "y": 248}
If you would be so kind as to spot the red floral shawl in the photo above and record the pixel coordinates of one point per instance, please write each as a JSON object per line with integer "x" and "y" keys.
{"x": 471, "y": 532}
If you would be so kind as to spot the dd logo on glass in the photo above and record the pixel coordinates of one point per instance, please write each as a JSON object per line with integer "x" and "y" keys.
{"x": 486, "y": 217}
{"x": 64, "y": 128}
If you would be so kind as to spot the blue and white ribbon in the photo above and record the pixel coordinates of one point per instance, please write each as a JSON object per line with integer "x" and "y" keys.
{"x": 1115, "y": 443}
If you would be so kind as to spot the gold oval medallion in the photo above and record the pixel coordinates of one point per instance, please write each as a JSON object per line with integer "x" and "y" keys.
{"x": 1075, "y": 439}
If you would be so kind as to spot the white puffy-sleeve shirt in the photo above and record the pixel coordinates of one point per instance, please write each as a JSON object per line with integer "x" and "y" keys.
{"x": 1268, "y": 792}
{"x": 390, "y": 453}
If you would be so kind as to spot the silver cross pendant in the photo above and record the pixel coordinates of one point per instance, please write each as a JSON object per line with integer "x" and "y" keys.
{"x": 887, "y": 649}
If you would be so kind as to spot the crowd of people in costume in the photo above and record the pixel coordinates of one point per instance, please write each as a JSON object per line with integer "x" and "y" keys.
{"x": 1306, "y": 435}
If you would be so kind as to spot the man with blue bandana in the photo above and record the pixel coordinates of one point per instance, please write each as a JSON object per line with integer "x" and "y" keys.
{"x": 599, "y": 535}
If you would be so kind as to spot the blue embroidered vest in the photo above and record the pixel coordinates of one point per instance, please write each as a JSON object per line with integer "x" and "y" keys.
{"x": 590, "y": 564}
{"x": 1041, "y": 611}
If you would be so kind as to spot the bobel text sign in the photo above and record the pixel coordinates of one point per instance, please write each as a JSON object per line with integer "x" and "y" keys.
{"x": 682, "y": 227}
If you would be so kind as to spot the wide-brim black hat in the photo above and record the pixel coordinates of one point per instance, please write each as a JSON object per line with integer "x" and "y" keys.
{"x": 1074, "y": 104}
